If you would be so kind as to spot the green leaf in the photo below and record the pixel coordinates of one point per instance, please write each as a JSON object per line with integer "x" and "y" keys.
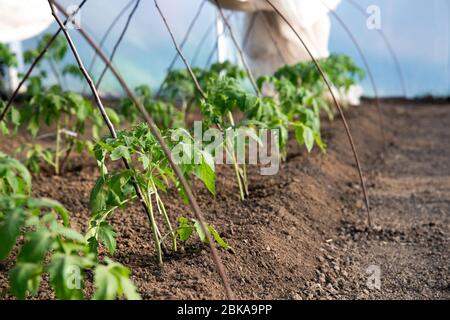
{"x": 129, "y": 289}
{"x": 15, "y": 116}
{"x": 308, "y": 136}
{"x": 112, "y": 281}
{"x": 36, "y": 246}
{"x": 208, "y": 176}
{"x": 9, "y": 231}
{"x": 185, "y": 229}
{"x": 113, "y": 116}
{"x": 108, "y": 236}
{"x": 66, "y": 276}
{"x": 120, "y": 152}
{"x": 25, "y": 277}
{"x": 304, "y": 135}
{"x": 199, "y": 230}
{"x": 51, "y": 204}
{"x": 69, "y": 234}
{"x": 97, "y": 199}
{"x": 218, "y": 239}
{"x": 105, "y": 283}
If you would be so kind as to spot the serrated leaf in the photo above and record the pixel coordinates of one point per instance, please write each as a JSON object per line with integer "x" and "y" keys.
{"x": 69, "y": 234}
{"x": 36, "y": 246}
{"x": 200, "y": 232}
{"x": 66, "y": 276}
{"x": 185, "y": 229}
{"x": 218, "y": 238}
{"x": 107, "y": 235}
{"x": 106, "y": 285}
{"x": 9, "y": 231}
{"x": 120, "y": 152}
{"x": 50, "y": 204}
{"x": 113, "y": 281}
{"x": 25, "y": 277}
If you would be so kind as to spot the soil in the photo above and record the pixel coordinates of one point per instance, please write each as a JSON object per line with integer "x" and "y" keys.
{"x": 303, "y": 234}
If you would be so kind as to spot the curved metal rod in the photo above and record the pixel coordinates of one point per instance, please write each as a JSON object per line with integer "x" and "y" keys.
{"x": 105, "y": 36}
{"x": 119, "y": 40}
{"x": 182, "y": 44}
{"x": 338, "y": 106}
{"x": 154, "y": 130}
{"x": 388, "y": 45}
{"x": 36, "y": 61}
{"x": 238, "y": 48}
{"x": 369, "y": 71}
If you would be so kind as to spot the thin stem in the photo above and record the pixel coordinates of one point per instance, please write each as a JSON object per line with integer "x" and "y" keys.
{"x": 58, "y": 146}
{"x": 236, "y": 169}
{"x": 338, "y": 106}
{"x": 154, "y": 228}
{"x": 69, "y": 150}
{"x": 241, "y": 173}
{"x": 163, "y": 212}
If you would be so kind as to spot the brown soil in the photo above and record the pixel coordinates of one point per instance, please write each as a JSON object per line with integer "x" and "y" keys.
{"x": 303, "y": 233}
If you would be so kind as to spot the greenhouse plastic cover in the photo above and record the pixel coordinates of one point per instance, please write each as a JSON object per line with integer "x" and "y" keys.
{"x": 309, "y": 17}
{"x": 305, "y": 13}
{"x": 23, "y": 19}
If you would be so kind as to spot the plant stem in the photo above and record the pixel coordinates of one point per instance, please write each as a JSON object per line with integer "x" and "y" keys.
{"x": 154, "y": 228}
{"x": 240, "y": 174}
{"x": 163, "y": 212}
{"x": 236, "y": 169}
{"x": 58, "y": 146}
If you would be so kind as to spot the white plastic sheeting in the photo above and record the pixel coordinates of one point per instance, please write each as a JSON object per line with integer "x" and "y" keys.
{"x": 309, "y": 17}
{"x": 23, "y": 19}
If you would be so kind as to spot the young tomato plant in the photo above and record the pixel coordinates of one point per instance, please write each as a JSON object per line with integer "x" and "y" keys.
{"x": 340, "y": 69}
{"x": 14, "y": 176}
{"x": 164, "y": 114}
{"x": 151, "y": 171}
{"x": 49, "y": 246}
{"x": 302, "y": 113}
{"x": 223, "y": 96}
{"x": 52, "y": 248}
{"x": 68, "y": 114}
{"x": 54, "y": 59}
{"x": 186, "y": 227}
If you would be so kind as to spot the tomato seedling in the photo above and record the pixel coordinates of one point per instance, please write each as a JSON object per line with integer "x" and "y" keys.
{"x": 153, "y": 174}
